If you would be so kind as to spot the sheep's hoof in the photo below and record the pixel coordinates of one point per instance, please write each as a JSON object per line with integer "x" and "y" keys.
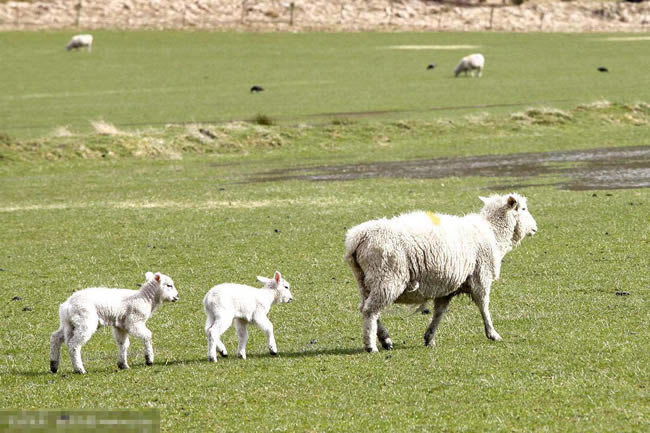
{"x": 148, "y": 362}
{"x": 273, "y": 353}
{"x": 223, "y": 354}
{"x": 122, "y": 365}
{"x": 54, "y": 366}
{"x": 387, "y": 344}
{"x": 495, "y": 337}
{"x": 241, "y": 356}
{"x": 371, "y": 349}
{"x": 80, "y": 371}
{"x": 212, "y": 359}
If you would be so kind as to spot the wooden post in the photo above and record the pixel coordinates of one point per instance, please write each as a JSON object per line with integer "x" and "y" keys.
{"x": 78, "y": 8}
{"x": 491, "y": 17}
{"x": 541, "y": 21}
{"x": 243, "y": 11}
{"x": 292, "y": 8}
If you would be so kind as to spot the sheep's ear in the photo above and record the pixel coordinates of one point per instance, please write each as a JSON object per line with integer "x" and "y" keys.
{"x": 277, "y": 277}
{"x": 263, "y": 280}
{"x": 512, "y": 201}
{"x": 483, "y": 199}
{"x": 157, "y": 276}
{"x": 148, "y": 276}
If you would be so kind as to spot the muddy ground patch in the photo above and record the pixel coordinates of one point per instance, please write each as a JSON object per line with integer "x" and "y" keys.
{"x": 603, "y": 168}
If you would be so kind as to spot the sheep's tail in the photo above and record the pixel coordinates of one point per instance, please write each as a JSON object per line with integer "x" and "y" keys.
{"x": 353, "y": 241}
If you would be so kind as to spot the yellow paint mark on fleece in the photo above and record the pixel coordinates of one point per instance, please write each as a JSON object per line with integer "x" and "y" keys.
{"x": 435, "y": 219}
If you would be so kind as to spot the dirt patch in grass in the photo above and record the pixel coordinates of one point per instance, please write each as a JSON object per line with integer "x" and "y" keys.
{"x": 604, "y": 168}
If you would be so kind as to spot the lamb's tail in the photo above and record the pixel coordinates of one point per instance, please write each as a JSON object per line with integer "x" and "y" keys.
{"x": 353, "y": 242}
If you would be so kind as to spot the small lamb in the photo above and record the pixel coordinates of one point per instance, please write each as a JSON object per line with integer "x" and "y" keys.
{"x": 471, "y": 63}
{"x": 125, "y": 310}
{"x": 244, "y": 304}
{"x": 79, "y": 41}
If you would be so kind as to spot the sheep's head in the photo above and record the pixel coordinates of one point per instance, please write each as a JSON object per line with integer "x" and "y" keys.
{"x": 510, "y": 216}
{"x": 168, "y": 291}
{"x": 280, "y": 285}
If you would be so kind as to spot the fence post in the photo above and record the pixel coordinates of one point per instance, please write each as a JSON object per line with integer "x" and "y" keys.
{"x": 292, "y": 8}
{"x": 491, "y": 17}
{"x": 541, "y": 20}
{"x": 243, "y": 11}
{"x": 78, "y": 7}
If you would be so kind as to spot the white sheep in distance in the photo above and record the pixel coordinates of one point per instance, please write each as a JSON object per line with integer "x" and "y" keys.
{"x": 125, "y": 310}
{"x": 79, "y": 41}
{"x": 419, "y": 256}
{"x": 243, "y": 304}
{"x": 471, "y": 63}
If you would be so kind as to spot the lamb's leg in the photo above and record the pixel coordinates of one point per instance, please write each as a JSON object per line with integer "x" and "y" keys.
{"x": 75, "y": 338}
{"x": 122, "y": 339}
{"x": 384, "y": 338}
{"x": 267, "y": 327}
{"x": 439, "y": 309}
{"x": 214, "y": 332}
{"x": 242, "y": 334}
{"x": 56, "y": 340}
{"x": 482, "y": 300}
{"x": 140, "y": 330}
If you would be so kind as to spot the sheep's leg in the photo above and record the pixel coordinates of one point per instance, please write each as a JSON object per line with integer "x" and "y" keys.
{"x": 56, "y": 340}
{"x": 267, "y": 327}
{"x": 242, "y": 334}
{"x": 75, "y": 338}
{"x": 384, "y": 338}
{"x": 122, "y": 339}
{"x": 440, "y": 306}
{"x": 482, "y": 301}
{"x": 214, "y": 332}
{"x": 140, "y": 330}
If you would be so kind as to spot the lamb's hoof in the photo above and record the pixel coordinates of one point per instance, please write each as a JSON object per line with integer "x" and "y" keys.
{"x": 495, "y": 337}
{"x": 371, "y": 349}
{"x": 223, "y": 354}
{"x": 54, "y": 366}
{"x": 387, "y": 344}
{"x": 241, "y": 356}
{"x": 80, "y": 371}
{"x": 148, "y": 362}
{"x": 431, "y": 343}
{"x": 212, "y": 359}
{"x": 273, "y": 353}
{"x": 122, "y": 365}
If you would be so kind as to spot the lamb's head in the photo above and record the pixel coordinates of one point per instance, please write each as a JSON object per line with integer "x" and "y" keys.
{"x": 280, "y": 285}
{"x": 510, "y": 217}
{"x": 167, "y": 290}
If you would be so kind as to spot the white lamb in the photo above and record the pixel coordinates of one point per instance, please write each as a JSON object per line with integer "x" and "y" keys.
{"x": 419, "y": 256}
{"x": 471, "y": 63}
{"x": 245, "y": 305}
{"x": 125, "y": 310}
{"x": 79, "y": 41}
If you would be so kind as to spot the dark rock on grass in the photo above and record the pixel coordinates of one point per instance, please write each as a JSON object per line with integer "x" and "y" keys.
{"x": 622, "y": 293}
{"x": 28, "y": 309}
{"x": 16, "y": 298}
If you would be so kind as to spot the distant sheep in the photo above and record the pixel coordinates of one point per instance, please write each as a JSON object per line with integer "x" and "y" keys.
{"x": 79, "y": 41}
{"x": 243, "y": 304}
{"x": 419, "y": 256}
{"x": 471, "y": 63}
{"x": 125, "y": 310}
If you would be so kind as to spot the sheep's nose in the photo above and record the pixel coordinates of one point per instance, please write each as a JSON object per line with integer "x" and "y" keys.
{"x": 290, "y": 300}
{"x": 175, "y": 298}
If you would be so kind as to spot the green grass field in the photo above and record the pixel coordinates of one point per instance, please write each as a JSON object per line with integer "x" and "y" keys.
{"x": 135, "y": 79}
{"x": 85, "y": 208}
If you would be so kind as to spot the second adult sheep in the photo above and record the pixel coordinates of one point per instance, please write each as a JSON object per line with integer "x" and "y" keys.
{"x": 79, "y": 41}
{"x": 243, "y": 304}
{"x": 419, "y": 256}
{"x": 471, "y": 63}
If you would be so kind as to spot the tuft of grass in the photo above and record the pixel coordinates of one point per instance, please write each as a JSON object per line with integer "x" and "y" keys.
{"x": 542, "y": 116}
{"x": 102, "y": 127}
{"x": 263, "y": 119}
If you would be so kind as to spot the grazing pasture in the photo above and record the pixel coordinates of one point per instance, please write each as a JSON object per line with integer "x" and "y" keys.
{"x": 135, "y": 79}
{"x": 100, "y": 206}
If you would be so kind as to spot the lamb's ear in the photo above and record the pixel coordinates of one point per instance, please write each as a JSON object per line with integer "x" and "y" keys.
{"x": 512, "y": 201}
{"x": 483, "y": 199}
{"x": 157, "y": 276}
{"x": 263, "y": 280}
{"x": 148, "y": 276}
{"x": 277, "y": 277}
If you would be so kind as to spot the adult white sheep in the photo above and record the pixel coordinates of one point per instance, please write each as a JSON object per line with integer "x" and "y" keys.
{"x": 243, "y": 304}
{"x": 125, "y": 310}
{"x": 420, "y": 256}
{"x": 471, "y": 63}
{"x": 79, "y": 41}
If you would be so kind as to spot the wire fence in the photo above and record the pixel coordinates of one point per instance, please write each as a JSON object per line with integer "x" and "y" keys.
{"x": 322, "y": 14}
